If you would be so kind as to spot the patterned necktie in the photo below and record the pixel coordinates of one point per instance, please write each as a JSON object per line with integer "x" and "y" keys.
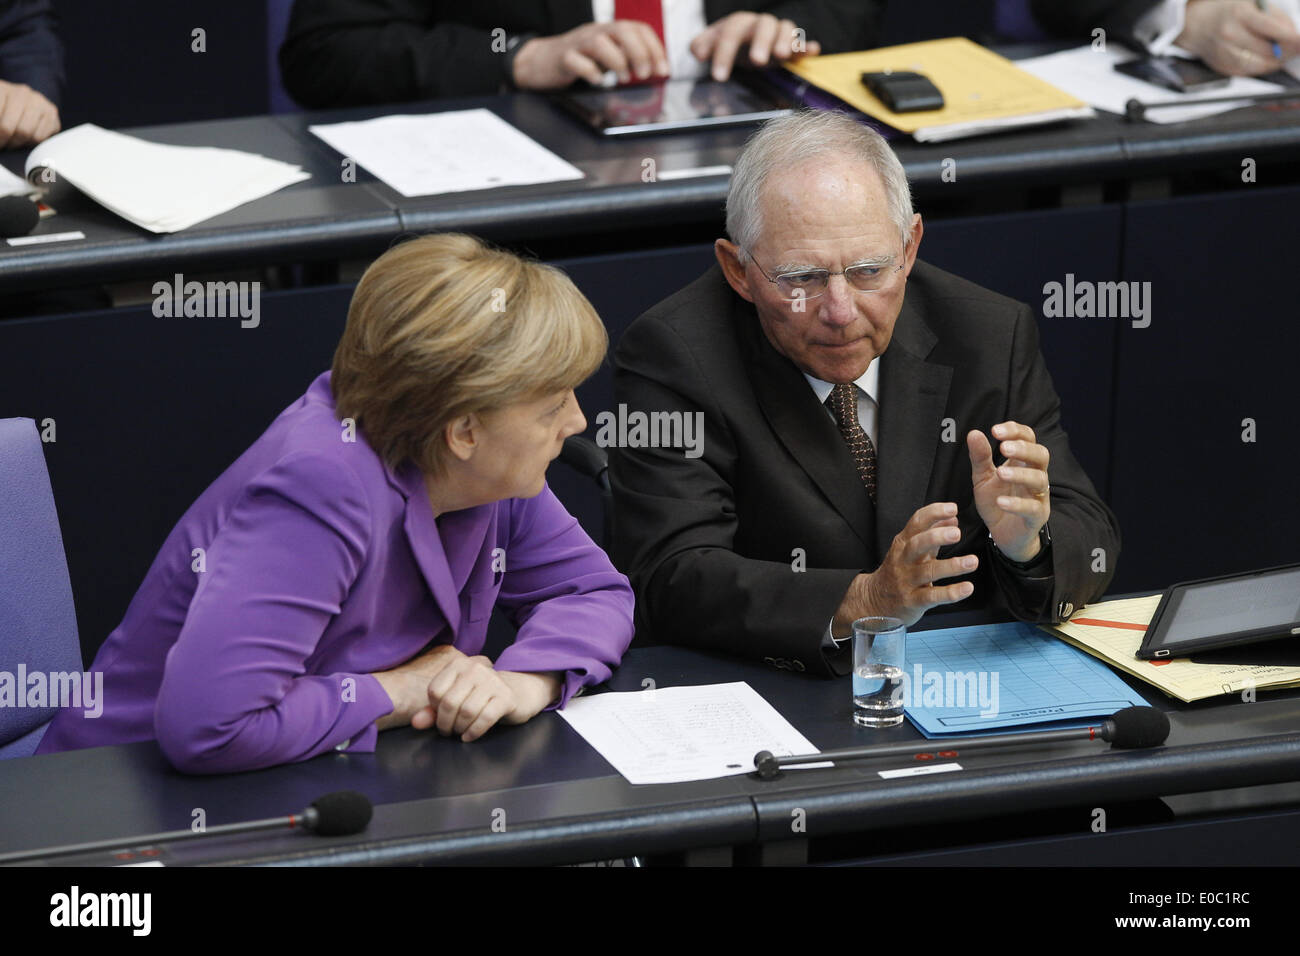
{"x": 843, "y": 401}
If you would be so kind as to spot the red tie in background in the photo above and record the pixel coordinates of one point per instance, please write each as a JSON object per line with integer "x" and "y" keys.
{"x": 649, "y": 107}
{"x": 647, "y": 11}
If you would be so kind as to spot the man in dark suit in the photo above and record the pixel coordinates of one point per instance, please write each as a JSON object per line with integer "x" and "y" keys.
{"x": 357, "y": 52}
{"x": 789, "y": 519}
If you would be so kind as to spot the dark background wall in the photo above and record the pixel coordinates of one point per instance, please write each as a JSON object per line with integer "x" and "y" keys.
{"x": 131, "y": 64}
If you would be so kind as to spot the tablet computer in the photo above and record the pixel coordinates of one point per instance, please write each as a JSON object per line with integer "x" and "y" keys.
{"x": 1223, "y": 612}
{"x": 669, "y": 106}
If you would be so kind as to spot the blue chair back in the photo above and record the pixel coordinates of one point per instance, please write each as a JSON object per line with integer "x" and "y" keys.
{"x": 38, "y": 624}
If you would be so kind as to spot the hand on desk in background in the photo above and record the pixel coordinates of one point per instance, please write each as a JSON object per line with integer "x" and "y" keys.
{"x": 26, "y": 116}
{"x": 633, "y": 51}
{"x": 1235, "y": 37}
{"x": 767, "y": 37}
{"x": 629, "y": 48}
{"x": 462, "y": 695}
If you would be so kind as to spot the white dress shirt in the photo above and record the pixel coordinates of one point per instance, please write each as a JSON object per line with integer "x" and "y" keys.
{"x": 868, "y": 386}
{"x": 683, "y": 22}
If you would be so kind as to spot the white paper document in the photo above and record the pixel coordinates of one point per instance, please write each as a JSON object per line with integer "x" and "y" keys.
{"x": 447, "y": 152}
{"x": 674, "y": 734}
{"x": 160, "y": 188}
{"x": 11, "y": 185}
{"x": 1091, "y": 76}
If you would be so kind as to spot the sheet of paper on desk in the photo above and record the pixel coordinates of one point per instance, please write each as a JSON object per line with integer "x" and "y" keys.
{"x": 11, "y": 185}
{"x": 675, "y": 734}
{"x": 1113, "y": 632}
{"x": 1091, "y": 76}
{"x": 159, "y": 187}
{"x": 447, "y": 152}
{"x": 1000, "y": 677}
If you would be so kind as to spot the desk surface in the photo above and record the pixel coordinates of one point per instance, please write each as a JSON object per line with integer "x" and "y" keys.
{"x": 326, "y": 218}
{"x": 437, "y": 800}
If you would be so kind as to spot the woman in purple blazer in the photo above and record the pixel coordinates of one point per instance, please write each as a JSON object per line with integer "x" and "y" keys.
{"x": 338, "y": 578}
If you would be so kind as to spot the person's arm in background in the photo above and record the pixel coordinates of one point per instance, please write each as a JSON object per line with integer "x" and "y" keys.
{"x": 358, "y": 52}
{"x": 31, "y": 72}
{"x": 1233, "y": 36}
{"x": 765, "y": 33}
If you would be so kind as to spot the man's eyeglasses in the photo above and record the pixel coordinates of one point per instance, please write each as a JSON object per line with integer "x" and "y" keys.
{"x": 810, "y": 283}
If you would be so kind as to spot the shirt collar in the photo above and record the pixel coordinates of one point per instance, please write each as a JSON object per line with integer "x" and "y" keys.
{"x": 868, "y": 381}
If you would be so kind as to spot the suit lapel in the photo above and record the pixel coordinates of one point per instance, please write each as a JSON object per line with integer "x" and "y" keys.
{"x": 803, "y": 426}
{"x": 445, "y": 555}
{"x": 913, "y": 397}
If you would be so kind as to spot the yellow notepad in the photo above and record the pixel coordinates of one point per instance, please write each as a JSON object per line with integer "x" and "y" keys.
{"x": 981, "y": 90}
{"x": 1113, "y": 631}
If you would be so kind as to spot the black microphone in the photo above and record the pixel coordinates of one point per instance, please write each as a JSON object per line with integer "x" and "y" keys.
{"x": 336, "y": 814}
{"x": 18, "y": 216}
{"x": 1135, "y": 110}
{"x": 1131, "y": 728}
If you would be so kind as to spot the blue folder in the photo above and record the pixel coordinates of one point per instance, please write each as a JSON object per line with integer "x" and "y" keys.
{"x": 1003, "y": 677}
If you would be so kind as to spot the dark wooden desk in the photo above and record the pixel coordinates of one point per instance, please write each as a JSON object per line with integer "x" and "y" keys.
{"x": 539, "y": 794}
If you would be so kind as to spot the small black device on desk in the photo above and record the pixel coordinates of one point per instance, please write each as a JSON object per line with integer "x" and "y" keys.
{"x": 904, "y": 92}
{"x": 1174, "y": 73}
{"x": 1227, "y": 612}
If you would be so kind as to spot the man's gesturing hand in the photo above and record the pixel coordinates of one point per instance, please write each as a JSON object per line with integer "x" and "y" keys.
{"x": 462, "y": 695}
{"x": 902, "y": 586}
{"x": 767, "y": 37}
{"x": 1014, "y": 499}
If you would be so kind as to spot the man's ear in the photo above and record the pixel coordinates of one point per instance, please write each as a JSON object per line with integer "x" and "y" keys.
{"x": 728, "y": 256}
{"x": 462, "y": 437}
{"x": 914, "y": 243}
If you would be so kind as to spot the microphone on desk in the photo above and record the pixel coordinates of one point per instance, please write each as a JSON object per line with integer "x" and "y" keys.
{"x": 18, "y": 216}
{"x": 1132, "y": 728}
{"x": 1135, "y": 110}
{"x": 341, "y": 813}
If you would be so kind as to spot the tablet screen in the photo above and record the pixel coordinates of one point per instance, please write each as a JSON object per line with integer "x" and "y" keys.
{"x": 1259, "y": 602}
{"x": 675, "y": 103}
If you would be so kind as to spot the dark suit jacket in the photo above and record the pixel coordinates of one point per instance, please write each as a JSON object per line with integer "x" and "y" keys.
{"x": 1079, "y": 18}
{"x": 357, "y": 52}
{"x": 711, "y": 543}
{"x": 30, "y": 50}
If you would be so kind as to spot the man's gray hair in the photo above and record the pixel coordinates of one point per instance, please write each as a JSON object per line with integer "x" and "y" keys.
{"x": 789, "y": 140}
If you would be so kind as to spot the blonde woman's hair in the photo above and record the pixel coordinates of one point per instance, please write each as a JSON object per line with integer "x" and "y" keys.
{"x": 444, "y": 325}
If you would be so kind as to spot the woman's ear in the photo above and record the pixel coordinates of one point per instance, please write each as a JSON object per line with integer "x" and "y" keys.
{"x": 462, "y": 436}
